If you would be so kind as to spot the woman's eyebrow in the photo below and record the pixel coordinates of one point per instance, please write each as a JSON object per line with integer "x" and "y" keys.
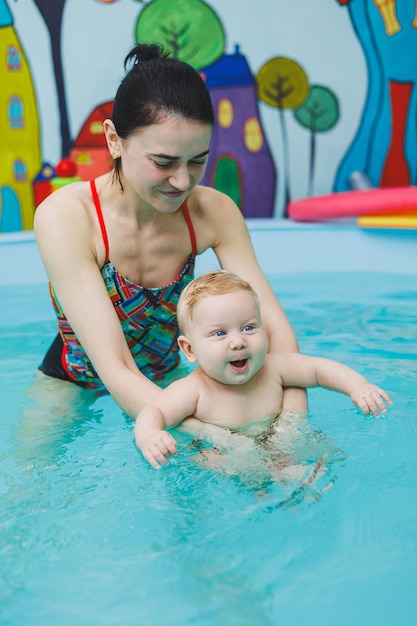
{"x": 176, "y": 158}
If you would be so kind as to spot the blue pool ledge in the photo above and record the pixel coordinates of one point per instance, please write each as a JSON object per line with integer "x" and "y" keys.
{"x": 282, "y": 247}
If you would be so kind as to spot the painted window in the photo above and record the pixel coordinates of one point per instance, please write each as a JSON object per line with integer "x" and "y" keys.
{"x": 225, "y": 113}
{"x": 227, "y": 179}
{"x": 14, "y": 60}
{"x": 96, "y": 128}
{"x": 253, "y": 136}
{"x": 20, "y": 171}
{"x": 83, "y": 158}
{"x": 16, "y": 118}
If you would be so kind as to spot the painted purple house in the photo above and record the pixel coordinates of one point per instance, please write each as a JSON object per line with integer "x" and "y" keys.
{"x": 240, "y": 162}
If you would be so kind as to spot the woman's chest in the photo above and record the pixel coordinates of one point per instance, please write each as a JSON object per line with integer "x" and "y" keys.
{"x": 149, "y": 258}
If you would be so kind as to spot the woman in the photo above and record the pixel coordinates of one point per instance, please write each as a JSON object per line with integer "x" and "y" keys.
{"x": 119, "y": 250}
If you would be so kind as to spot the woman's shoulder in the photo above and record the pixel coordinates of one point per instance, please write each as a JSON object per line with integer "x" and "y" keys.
{"x": 66, "y": 198}
{"x": 216, "y": 218}
{"x": 67, "y": 210}
{"x": 205, "y": 197}
{"x": 65, "y": 228}
{"x": 213, "y": 206}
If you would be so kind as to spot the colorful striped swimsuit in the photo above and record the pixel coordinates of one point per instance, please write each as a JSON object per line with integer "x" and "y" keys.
{"x": 147, "y": 316}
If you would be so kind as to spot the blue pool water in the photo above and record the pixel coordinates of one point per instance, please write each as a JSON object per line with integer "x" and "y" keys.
{"x": 89, "y": 534}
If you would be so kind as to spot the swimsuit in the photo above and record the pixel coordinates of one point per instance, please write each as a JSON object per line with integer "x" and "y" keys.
{"x": 147, "y": 316}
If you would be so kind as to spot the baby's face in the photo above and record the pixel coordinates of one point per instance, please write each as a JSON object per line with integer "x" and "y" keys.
{"x": 227, "y": 337}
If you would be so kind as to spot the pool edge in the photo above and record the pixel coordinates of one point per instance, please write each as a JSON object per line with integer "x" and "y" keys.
{"x": 282, "y": 247}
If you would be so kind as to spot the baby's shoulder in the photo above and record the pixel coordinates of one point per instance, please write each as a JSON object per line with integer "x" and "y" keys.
{"x": 274, "y": 365}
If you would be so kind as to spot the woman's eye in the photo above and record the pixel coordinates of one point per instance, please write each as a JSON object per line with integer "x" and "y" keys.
{"x": 195, "y": 163}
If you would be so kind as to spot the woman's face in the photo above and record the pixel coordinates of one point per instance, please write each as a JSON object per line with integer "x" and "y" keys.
{"x": 162, "y": 163}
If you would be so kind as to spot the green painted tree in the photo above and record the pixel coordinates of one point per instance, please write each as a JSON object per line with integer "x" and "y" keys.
{"x": 282, "y": 83}
{"x": 189, "y": 29}
{"x": 319, "y": 113}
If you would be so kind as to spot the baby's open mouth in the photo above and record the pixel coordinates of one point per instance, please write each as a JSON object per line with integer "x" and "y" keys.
{"x": 239, "y": 365}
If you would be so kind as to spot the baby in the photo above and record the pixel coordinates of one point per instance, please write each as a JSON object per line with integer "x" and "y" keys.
{"x": 236, "y": 382}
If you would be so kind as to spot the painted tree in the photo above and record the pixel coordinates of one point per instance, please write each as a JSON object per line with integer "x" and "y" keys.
{"x": 52, "y": 15}
{"x": 319, "y": 113}
{"x": 189, "y": 29}
{"x": 282, "y": 83}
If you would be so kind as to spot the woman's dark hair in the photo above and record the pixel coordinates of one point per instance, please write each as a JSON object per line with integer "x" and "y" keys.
{"x": 154, "y": 87}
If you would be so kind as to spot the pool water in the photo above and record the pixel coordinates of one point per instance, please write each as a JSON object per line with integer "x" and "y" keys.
{"x": 89, "y": 534}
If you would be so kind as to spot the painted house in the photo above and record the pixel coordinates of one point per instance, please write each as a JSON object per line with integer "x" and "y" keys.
{"x": 89, "y": 151}
{"x": 20, "y": 152}
{"x": 240, "y": 162}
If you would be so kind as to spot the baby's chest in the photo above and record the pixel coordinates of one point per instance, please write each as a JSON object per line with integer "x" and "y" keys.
{"x": 235, "y": 408}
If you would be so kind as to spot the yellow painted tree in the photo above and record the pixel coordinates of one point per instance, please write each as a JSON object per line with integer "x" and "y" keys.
{"x": 282, "y": 83}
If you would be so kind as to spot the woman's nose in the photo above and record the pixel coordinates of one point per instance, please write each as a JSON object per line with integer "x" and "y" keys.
{"x": 180, "y": 179}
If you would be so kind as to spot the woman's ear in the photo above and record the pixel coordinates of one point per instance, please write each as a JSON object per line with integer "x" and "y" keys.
{"x": 185, "y": 347}
{"x": 112, "y": 138}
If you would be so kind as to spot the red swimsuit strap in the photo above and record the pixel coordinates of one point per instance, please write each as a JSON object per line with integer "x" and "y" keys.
{"x": 100, "y": 218}
{"x": 190, "y": 229}
{"x": 103, "y": 226}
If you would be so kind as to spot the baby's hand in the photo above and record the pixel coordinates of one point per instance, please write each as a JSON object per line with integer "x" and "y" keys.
{"x": 370, "y": 399}
{"x": 158, "y": 446}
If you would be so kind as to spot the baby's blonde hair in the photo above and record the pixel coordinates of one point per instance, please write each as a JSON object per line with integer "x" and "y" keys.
{"x": 214, "y": 283}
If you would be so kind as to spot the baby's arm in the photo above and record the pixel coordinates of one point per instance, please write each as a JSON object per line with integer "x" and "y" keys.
{"x": 170, "y": 407}
{"x": 306, "y": 371}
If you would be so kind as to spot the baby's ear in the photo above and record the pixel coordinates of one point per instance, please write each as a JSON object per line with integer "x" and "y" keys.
{"x": 185, "y": 346}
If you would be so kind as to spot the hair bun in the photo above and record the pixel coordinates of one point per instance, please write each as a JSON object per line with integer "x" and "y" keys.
{"x": 143, "y": 52}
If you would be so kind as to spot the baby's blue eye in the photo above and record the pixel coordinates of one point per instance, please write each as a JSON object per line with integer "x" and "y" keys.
{"x": 248, "y": 328}
{"x": 219, "y": 333}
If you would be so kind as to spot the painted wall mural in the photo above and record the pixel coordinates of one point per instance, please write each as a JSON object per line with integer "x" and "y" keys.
{"x": 384, "y": 149}
{"x": 268, "y": 112}
{"x": 20, "y": 157}
{"x": 240, "y": 162}
{"x": 283, "y": 84}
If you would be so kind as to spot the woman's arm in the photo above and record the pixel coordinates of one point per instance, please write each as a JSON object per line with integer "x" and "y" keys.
{"x": 72, "y": 255}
